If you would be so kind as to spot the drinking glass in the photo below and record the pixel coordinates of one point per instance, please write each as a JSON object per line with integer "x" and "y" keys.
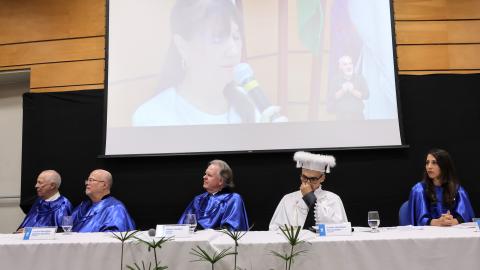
{"x": 67, "y": 224}
{"x": 476, "y": 222}
{"x": 191, "y": 219}
{"x": 373, "y": 220}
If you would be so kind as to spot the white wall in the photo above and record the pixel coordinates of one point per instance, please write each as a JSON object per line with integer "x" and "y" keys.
{"x": 12, "y": 85}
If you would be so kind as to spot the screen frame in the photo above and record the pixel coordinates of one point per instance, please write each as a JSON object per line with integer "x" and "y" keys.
{"x": 402, "y": 145}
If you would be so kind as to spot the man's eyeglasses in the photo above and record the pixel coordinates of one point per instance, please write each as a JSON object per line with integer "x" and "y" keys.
{"x": 89, "y": 180}
{"x": 312, "y": 179}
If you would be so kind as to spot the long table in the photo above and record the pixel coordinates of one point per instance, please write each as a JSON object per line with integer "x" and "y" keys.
{"x": 391, "y": 248}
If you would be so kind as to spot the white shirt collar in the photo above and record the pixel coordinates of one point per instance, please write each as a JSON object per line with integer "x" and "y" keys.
{"x": 318, "y": 191}
{"x": 54, "y": 197}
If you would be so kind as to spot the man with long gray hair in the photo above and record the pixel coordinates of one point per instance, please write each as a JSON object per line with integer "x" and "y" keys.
{"x": 219, "y": 206}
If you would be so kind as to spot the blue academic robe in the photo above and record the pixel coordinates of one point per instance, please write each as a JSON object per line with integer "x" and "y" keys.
{"x": 107, "y": 215}
{"x": 421, "y": 211}
{"x": 45, "y": 213}
{"x": 222, "y": 210}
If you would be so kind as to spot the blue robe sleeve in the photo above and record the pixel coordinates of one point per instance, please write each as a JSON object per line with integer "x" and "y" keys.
{"x": 463, "y": 206}
{"x": 29, "y": 219}
{"x": 224, "y": 210}
{"x": 65, "y": 210}
{"x": 45, "y": 213}
{"x": 77, "y": 214}
{"x": 235, "y": 215}
{"x": 116, "y": 219}
{"x": 419, "y": 213}
{"x": 189, "y": 210}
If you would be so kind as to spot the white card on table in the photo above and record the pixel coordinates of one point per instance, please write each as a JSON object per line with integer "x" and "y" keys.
{"x": 340, "y": 229}
{"x": 39, "y": 233}
{"x": 175, "y": 230}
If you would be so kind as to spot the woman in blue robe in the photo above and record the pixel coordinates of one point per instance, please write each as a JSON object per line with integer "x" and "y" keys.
{"x": 218, "y": 207}
{"x": 439, "y": 200}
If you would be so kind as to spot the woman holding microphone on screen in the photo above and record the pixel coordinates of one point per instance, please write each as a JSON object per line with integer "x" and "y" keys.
{"x": 439, "y": 200}
{"x": 197, "y": 78}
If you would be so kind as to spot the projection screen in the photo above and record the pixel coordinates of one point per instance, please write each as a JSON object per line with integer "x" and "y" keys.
{"x": 203, "y": 76}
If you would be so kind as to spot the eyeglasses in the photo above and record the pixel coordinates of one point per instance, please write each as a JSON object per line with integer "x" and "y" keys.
{"x": 313, "y": 179}
{"x": 89, "y": 180}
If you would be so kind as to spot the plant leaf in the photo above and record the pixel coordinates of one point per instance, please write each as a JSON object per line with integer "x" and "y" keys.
{"x": 282, "y": 256}
{"x": 124, "y": 236}
{"x": 154, "y": 243}
{"x": 214, "y": 258}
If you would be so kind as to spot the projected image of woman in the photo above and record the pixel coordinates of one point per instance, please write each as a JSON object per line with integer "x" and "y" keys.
{"x": 197, "y": 77}
{"x": 439, "y": 200}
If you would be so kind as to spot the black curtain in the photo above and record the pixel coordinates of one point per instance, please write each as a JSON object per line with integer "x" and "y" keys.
{"x": 64, "y": 131}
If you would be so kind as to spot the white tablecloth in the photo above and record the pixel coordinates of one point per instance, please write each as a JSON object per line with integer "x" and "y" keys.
{"x": 392, "y": 248}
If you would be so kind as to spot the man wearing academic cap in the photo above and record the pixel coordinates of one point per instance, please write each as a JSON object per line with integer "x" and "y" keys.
{"x": 50, "y": 207}
{"x": 101, "y": 212}
{"x": 311, "y": 204}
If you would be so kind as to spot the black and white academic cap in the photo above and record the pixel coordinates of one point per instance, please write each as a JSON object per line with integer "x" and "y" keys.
{"x": 316, "y": 162}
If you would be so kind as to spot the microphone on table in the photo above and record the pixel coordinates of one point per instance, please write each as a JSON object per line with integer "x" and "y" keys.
{"x": 244, "y": 77}
{"x": 152, "y": 232}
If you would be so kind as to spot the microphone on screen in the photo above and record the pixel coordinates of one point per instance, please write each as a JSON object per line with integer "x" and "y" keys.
{"x": 244, "y": 77}
{"x": 152, "y": 232}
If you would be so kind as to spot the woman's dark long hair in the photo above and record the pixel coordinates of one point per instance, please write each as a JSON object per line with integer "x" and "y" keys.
{"x": 448, "y": 177}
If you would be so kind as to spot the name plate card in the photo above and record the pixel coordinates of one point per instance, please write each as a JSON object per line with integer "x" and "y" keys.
{"x": 39, "y": 233}
{"x": 477, "y": 225}
{"x": 176, "y": 230}
{"x": 340, "y": 229}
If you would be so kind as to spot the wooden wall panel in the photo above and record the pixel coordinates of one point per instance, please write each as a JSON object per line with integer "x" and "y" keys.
{"x": 453, "y": 25}
{"x": 426, "y": 72}
{"x": 436, "y": 32}
{"x": 68, "y": 88}
{"x": 52, "y": 51}
{"x": 439, "y": 57}
{"x": 436, "y": 9}
{"x": 67, "y": 74}
{"x": 33, "y": 20}
{"x": 62, "y": 42}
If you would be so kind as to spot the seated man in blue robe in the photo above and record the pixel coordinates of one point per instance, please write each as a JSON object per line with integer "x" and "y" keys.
{"x": 101, "y": 212}
{"x": 50, "y": 206}
{"x": 218, "y": 207}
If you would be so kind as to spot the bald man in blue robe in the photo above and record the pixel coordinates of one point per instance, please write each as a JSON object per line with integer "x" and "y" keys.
{"x": 50, "y": 207}
{"x": 101, "y": 212}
